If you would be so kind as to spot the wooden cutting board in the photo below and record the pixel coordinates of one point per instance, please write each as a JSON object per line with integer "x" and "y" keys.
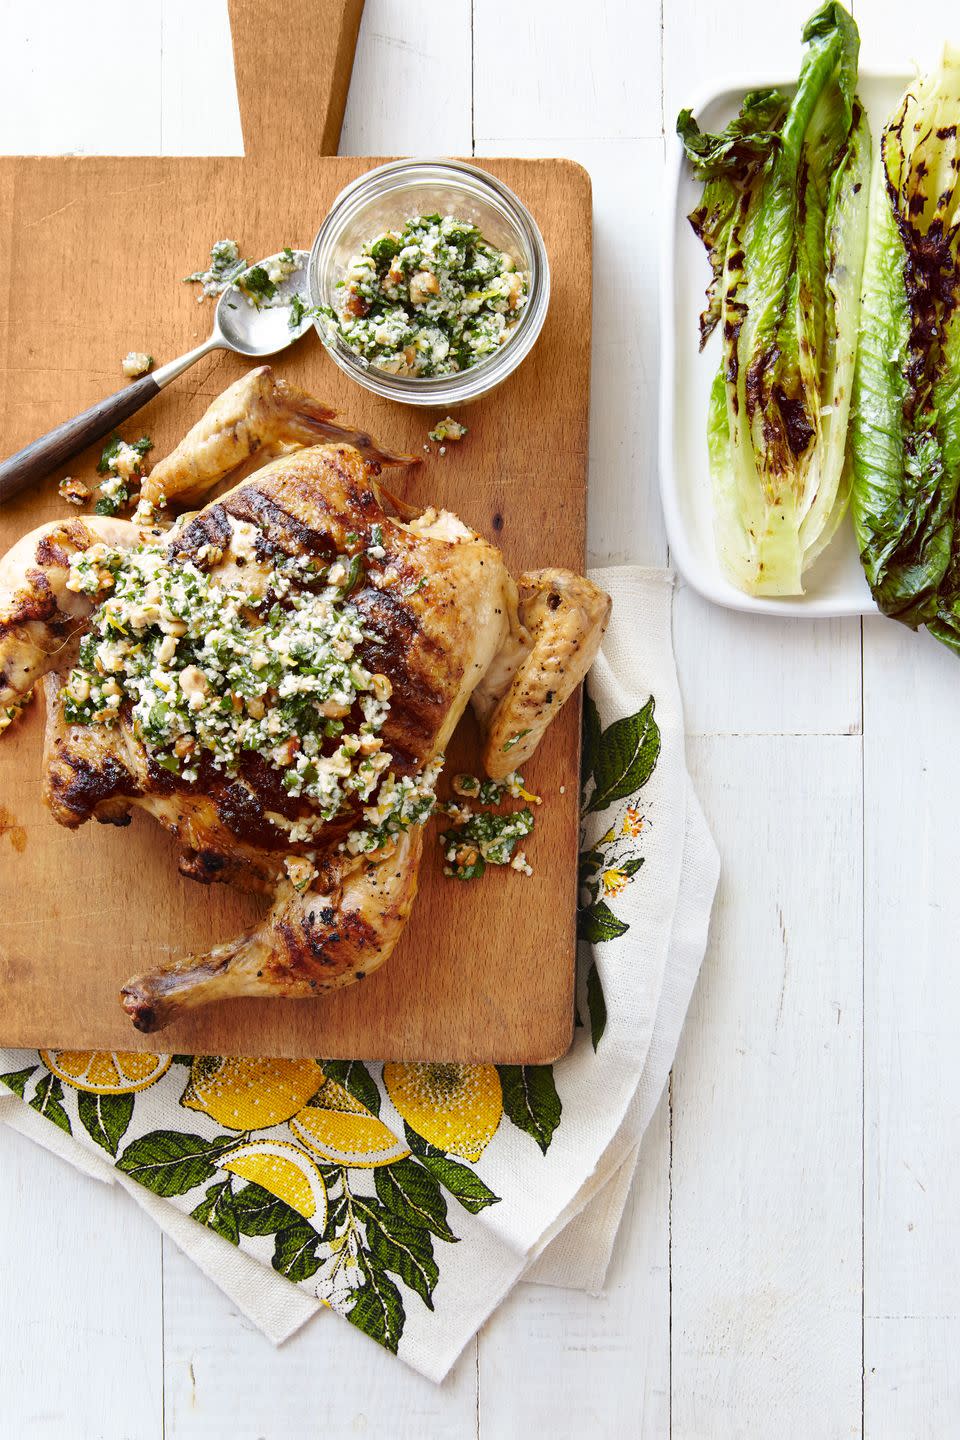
{"x": 92, "y": 251}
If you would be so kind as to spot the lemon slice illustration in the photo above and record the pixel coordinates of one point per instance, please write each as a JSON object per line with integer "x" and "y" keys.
{"x": 286, "y": 1172}
{"x": 106, "y": 1072}
{"x": 457, "y": 1108}
{"x": 250, "y": 1094}
{"x": 339, "y": 1128}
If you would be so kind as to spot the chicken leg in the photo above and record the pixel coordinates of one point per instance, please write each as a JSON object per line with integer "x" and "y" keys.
{"x": 338, "y": 930}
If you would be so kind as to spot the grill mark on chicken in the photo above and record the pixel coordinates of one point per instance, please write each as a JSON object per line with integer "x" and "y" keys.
{"x": 331, "y": 941}
{"x": 79, "y": 787}
{"x": 210, "y": 527}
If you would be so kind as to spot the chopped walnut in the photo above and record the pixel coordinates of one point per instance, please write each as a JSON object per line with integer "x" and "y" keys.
{"x": 73, "y": 491}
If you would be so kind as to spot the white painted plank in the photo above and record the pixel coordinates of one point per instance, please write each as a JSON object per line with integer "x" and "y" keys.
{"x": 199, "y": 113}
{"x": 767, "y": 1093}
{"x": 410, "y": 90}
{"x": 757, "y": 675}
{"x": 887, "y": 44}
{"x": 548, "y": 70}
{"x": 912, "y": 1012}
{"x": 74, "y": 85}
{"x": 80, "y": 1323}
{"x": 625, "y": 521}
{"x": 328, "y": 1380}
{"x": 563, "y": 1364}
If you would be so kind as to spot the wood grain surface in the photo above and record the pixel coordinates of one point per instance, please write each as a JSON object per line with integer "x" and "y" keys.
{"x": 94, "y": 250}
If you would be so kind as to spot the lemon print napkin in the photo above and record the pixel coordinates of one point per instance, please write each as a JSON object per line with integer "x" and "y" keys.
{"x": 409, "y": 1198}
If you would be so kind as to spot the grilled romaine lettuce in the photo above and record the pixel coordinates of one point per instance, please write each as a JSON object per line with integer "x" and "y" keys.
{"x": 906, "y": 424}
{"x": 783, "y": 217}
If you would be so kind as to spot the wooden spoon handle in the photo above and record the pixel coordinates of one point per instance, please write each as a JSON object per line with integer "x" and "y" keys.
{"x": 36, "y": 460}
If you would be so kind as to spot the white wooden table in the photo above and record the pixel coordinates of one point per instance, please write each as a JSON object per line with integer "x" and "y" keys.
{"x": 789, "y": 1263}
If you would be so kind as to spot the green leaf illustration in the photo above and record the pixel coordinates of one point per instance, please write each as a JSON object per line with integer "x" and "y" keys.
{"x": 398, "y": 1246}
{"x": 16, "y": 1080}
{"x": 596, "y": 1005}
{"x": 378, "y": 1309}
{"x": 531, "y": 1101}
{"x": 631, "y": 866}
{"x": 338, "y": 1211}
{"x": 591, "y": 738}
{"x": 295, "y": 1251}
{"x": 171, "y": 1163}
{"x": 417, "y": 1144}
{"x": 354, "y": 1076}
{"x": 461, "y": 1182}
{"x": 216, "y": 1211}
{"x": 48, "y": 1101}
{"x": 598, "y": 922}
{"x": 409, "y": 1190}
{"x": 105, "y": 1118}
{"x": 260, "y": 1213}
{"x": 627, "y": 756}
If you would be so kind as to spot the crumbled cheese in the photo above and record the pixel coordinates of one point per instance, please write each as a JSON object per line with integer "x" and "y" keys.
{"x": 136, "y": 363}
{"x": 519, "y": 862}
{"x": 225, "y": 265}
{"x": 448, "y": 429}
{"x": 284, "y": 265}
{"x": 243, "y": 540}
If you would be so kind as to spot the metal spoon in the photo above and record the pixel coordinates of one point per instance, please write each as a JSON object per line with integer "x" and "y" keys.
{"x": 238, "y": 325}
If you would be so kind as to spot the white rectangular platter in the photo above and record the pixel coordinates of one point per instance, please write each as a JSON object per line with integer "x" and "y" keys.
{"x": 835, "y": 584}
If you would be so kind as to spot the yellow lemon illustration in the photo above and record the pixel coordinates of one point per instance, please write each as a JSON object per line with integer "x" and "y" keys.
{"x": 286, "y": 1172}
{"x": 105, "y": 1072}
{"x": 250, "y": 1094}
{"x": 339, "y": 1128}
{"x": 457, "y": 1108}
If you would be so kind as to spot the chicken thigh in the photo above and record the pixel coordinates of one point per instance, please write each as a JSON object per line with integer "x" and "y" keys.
{"x": 276, "y": 677}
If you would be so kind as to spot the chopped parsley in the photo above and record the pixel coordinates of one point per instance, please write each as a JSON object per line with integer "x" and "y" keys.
{"x": 121, "y": 463}
{"x": 225, "y": 265}
{"x": 483, "y": 839}
{"x": 514, "y": 740}
{"x": 259, "y": 284}
{"x": 431, "y": 299}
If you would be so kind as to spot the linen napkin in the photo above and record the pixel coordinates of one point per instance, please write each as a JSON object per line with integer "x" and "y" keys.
{"x": 410, "y": 1198}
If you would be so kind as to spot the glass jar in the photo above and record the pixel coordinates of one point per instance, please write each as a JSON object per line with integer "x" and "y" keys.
{"x": 382, "y": 200}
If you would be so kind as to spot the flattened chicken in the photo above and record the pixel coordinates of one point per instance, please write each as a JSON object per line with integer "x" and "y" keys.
{"x": 276, "y": 678}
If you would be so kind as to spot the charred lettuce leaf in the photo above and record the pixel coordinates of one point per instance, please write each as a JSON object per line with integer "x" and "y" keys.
{"x": 906, "y": 429}
{"x": 783, "y": 217}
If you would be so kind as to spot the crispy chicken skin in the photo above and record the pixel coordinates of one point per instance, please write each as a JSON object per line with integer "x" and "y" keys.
{"x": 441, "y": 618}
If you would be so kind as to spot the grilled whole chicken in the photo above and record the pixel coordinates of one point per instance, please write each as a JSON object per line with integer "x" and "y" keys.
{"x": 275, "y": 678}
